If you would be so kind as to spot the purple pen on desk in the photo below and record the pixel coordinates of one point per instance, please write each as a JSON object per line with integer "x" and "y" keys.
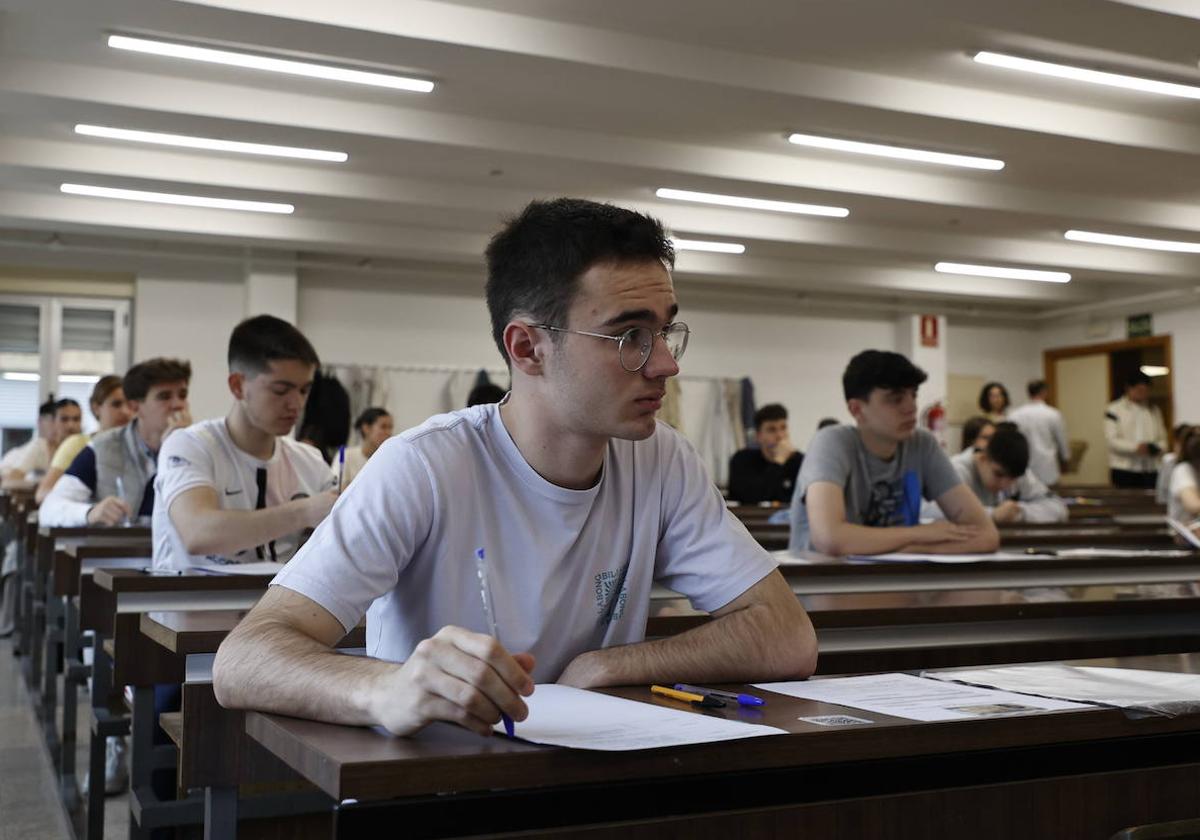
{"x": 742, "y": 699}
{"x": 489, "y": 615}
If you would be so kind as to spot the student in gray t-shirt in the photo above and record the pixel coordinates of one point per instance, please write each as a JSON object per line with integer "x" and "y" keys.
{"x": 860, "y": 488}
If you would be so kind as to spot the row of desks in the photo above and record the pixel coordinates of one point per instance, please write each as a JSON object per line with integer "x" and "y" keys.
{"x": 865, "y": 621}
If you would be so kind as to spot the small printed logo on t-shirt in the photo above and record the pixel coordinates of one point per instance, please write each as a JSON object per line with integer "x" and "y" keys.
{"x": 178, "y": 461}
{"x": 611, "y": 594}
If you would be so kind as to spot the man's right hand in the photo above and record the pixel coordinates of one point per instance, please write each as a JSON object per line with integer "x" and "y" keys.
{"x": 109, "y": 511}
{"x": 457, "y": 676}
{"x": 319, "y": 507}
{"x": 944, "y": 531}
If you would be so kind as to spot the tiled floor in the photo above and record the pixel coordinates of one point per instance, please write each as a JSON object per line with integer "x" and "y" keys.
{"x": 29, "y": 803}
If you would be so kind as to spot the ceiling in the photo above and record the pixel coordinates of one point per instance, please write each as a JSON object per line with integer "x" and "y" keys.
{"x": 539, "y": 98}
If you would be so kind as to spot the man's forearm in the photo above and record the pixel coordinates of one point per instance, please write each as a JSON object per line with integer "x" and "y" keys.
{"x": 861, "y": 539}
{"x": 300, "y": 677}
{"x": 756, "y": 643}
{"x": 231, "y": 531}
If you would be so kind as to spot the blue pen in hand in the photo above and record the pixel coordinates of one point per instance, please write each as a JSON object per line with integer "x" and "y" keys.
{"x": 489, "y": 615}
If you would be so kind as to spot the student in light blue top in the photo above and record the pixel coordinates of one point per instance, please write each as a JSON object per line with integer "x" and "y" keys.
{"x": 580, "y": 497}
{"x": 861, "y": 486}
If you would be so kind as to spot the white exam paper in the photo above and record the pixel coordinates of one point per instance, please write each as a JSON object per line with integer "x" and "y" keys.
{"x": 1122, "y": 552}
{"x": 265, "y": 567}
{"x": 914, "y": 698}
{"x": 1158, "y": 692}
{"x": 1185, "y": 532}
{"x": 563, "y": 716}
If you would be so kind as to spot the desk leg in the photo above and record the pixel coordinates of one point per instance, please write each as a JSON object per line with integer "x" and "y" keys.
{"x": 37, "y": 625}
{"x": 220, "y": 813}
{"x": 72, "y": 669}
{"x": 141, "y": 751}
{"x": 101, "y": 684}
{"x": 50, "y": 669}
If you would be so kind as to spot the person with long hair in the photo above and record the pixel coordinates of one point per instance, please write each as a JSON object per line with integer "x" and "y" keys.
{"x": 994, "y": 402}
{"x": 111, "y": 411}
{"x": 1183, "y": 503}
{"x": 374, "y": 426}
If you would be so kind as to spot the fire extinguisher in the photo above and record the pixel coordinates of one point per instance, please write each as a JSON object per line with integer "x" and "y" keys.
{"x": 933, "y": 418}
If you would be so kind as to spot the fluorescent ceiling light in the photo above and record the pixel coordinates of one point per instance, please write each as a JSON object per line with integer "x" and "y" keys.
{"x": 897, "y": 152}
{"x": 208, "y": 143}
{"x": 1154, "y": 370}
{"x": 23, "y": 377}
{"x": 1132, "y": 241}
{"x": 1003, "y": 272}
{"x": 703, "y": 245}
{"x": 752, "y": 203}
{"x": 274, "y": 65}
{"x": 174, "y": 198}
{"x": 83, "y": 378}
{"x": 1083, "y": 74}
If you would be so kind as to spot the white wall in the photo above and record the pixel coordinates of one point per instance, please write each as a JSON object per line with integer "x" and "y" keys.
{"x": 795, "y": 360}
{"x": 190, "y": 318}
{"x": 1182, "y": 323}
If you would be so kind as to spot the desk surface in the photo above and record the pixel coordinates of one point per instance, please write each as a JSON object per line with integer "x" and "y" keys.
{"x": 185, "y": 633}
{"x": 365, "y": 764}
{"x": 135, "y": 580}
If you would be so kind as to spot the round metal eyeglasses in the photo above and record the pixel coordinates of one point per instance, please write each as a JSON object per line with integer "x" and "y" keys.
{"x": 635, "y": 345}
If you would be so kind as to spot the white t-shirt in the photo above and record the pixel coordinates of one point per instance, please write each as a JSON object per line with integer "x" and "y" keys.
{"x": 1182, "y": 477}
{"x": 32, "y": 456}
{"x": 204, "y": 455}
{"x": 569, "y": 570}
{"x": 1043, "y": 427}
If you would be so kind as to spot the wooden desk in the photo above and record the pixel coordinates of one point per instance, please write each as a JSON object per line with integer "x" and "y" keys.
{"x": 890, "y": 631}
{"x": 1050, "y": 535}
{"x": 1063, "y": 774}
{"x": 130, "y": 658}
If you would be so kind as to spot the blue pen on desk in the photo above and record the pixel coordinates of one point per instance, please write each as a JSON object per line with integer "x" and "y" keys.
{"x": 341, "y": 466}
{"x": 742, "y": 699}
{"x": 489, "y": 615}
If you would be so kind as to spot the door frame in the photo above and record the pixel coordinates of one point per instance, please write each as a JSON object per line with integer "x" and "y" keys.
{"x": 1163, "y": 342}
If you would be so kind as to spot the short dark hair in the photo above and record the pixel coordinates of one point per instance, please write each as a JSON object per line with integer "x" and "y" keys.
{"x": 369, "y": 416}
{"x": 143, "y": 376}
{"x": 769, "y": 413}
{"x": 1010, "y": 450}
{"x": 873, "y": 369}
{"x": 972, "y": 428}
{"x": 1136, "y": 378}
{"x": 104, "y": 386}
{"x": 984, "y": 405}
{"x": 258, "y": 341}
{"x": 827, "y": 421}
{"x": 536, "y": 260}
{"x": 1036, "y": 387}
{"x": 488, "y": 392}
{"x": 48, "y": 408}
{"x": 65, "y": 402}
{"x": 1190, "y": 454}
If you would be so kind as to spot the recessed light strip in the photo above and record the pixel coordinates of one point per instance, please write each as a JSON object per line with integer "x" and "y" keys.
{"x": 1083, "y": 74}
{"x": 704, "y": 245}
{"x": 1154, "y": 370}
{"x": 22, "y": 377}
{"x": 208, "y": 143}
{"x": 1003, "y": 272}
{"x": 752, "y": 203}
{"x": 898, "y": 152}
{"x": 273, "y": 65}
{"x": 1095, "y": 238}
{"x": 174, "y": 198}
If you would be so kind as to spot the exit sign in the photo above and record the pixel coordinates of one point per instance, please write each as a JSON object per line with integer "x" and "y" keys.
{"x": 1140, "y": 326}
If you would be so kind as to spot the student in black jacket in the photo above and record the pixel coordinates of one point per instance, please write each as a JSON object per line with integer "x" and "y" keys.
{"x": 766, "y": 473}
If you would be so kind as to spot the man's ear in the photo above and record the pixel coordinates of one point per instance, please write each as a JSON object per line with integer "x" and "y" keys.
{"x": 237, "y": 384}
{"x": 855, "y": 406}
{"x": 526, "y": 347}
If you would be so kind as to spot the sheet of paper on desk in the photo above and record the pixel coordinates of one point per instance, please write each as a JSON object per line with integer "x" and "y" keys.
{"x": 265, "y": 567}
{"x": 1153, "y": 692}
{"x": 1122, "y": 552}
{"x": 1185, "y": 531}
{"x": 914, "y": 698}
{"x": 562, "y": 716}
{"x": 902, "y": 557}
{"x": 784, "y": 557}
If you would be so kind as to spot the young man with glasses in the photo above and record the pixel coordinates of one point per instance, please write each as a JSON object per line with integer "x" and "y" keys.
{"x": 576, "y": 496}
{"x": 236, "y": 489}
